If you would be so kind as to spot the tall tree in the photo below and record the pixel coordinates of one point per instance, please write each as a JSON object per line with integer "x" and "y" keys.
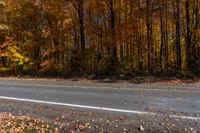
{"x": 178, "y": 35}
{"x": 80, "y": 10}
{"x": 113, "y": 33}
{"x": 149, "y": 32}
{"x": 188, "y": 34}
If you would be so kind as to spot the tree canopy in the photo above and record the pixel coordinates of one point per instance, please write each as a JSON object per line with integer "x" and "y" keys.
{"x": 99, "y": 36}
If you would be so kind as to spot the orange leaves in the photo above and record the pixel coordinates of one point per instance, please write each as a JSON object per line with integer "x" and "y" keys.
{"x": 19, "y": 124}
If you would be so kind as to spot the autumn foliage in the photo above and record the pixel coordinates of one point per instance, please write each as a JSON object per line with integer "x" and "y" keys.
{"x": 99, "y": 36}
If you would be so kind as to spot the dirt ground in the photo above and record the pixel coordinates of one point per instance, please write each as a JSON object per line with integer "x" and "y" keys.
{"x": 120, "y": 79}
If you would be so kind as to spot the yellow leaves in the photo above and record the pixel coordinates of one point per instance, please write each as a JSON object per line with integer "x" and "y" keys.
{"x": 16, "y": 56}
{"x": 2, "y": 3}
{"x": 12, "y": 52}
{"x": 3, "y": 27}
{"x": 4, "y": 70}
{"x": 67, "y": 21}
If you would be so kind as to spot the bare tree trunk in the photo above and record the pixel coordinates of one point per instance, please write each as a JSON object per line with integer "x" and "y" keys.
{"x": 195, "y": 36}
{"x": 81, "y": 23}
{"x": 149, "y": 33}
{"x": 139, "y": 40}
{"x": 166, "y": 36}
{"x": 113, "y": 32}
{"x": 188, "y": 35}
{"x": 178, "y": 35}
{"x": 162, "y": 38}
{"x": 42, "y": 30}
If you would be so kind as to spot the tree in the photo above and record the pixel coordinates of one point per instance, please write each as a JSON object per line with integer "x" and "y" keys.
{"x": 178, "y": 35}
{"x": 101, "y": 36}
{"x": 188, "y": 35}
{"x": 113, "y": 34}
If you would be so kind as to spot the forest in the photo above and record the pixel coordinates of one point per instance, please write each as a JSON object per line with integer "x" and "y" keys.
{"x": 106, "y": 37}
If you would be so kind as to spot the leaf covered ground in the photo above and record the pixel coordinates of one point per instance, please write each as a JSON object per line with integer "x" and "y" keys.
{"x": 27, "y": 124}
{"x": 32, "y": 118}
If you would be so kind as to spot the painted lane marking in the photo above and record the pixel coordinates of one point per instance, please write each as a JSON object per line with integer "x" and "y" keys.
{"x": 186, "y": 117}
{"x": 101, "y": 87}
{"x": 95, "y": 107}
{"x": 75, "y": 105}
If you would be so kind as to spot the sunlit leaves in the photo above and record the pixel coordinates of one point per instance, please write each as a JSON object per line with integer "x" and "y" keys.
{"x": 51, "y": 34}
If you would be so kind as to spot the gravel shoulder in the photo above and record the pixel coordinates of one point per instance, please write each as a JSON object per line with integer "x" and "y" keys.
{"x": 91, "y": 79}
{"x": 62, "y": 120}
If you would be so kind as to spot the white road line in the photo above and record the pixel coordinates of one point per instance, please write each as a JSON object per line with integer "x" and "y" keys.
{"x": 94, "y": 107}
{"x": 75, "y": 105}
{"x": 186, "y": 117}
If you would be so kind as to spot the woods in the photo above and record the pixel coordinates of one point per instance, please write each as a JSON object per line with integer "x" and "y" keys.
{"x": 99, "y": 36}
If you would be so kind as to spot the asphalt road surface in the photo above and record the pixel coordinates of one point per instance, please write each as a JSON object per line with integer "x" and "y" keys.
{"x": 150, "y": 99}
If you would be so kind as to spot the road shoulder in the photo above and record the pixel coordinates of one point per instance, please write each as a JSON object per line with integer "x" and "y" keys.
{"x": 80, "y": 121}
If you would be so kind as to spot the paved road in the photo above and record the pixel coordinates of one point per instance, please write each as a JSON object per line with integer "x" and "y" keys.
{"x": 153, "y": 97}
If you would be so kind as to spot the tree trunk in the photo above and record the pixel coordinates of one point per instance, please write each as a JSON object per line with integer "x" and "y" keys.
{"x": 149, "y": 33}
{"x": 188, "y": 35}
{"x": 81, "y": 23}
{"x": 166, "y": 36}
{"x": 178, "y": 35}
{"x": 2, "y": 8}
{"x": 161, "y": 39}
{"x": 113, "y": 41}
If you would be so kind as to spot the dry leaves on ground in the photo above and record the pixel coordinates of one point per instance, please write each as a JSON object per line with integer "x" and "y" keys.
{"x": 18, "y": 124}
